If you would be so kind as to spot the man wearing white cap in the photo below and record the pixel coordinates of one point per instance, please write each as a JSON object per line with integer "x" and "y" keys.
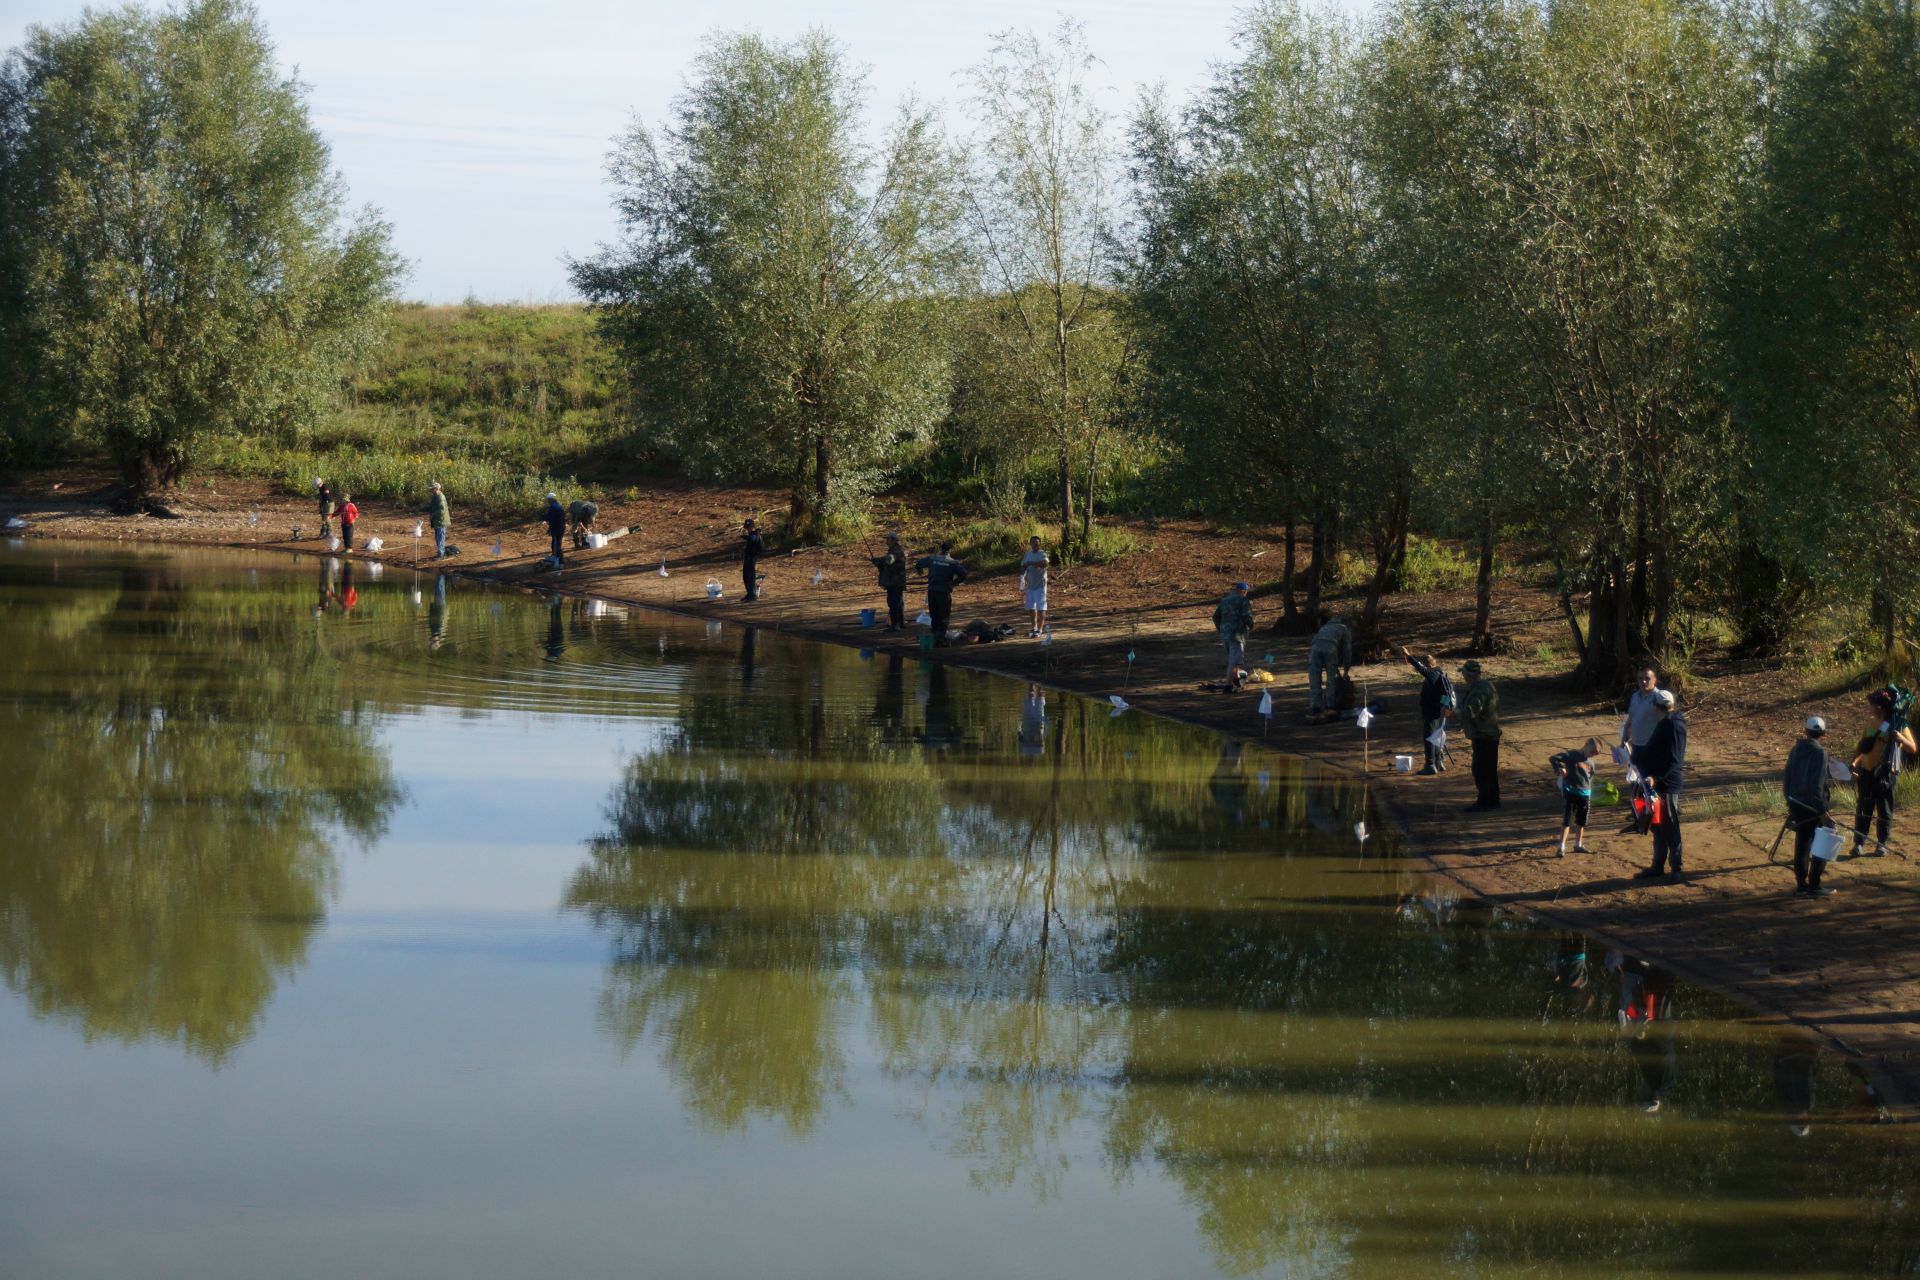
{"x": 1808, "y": 787}
{"x": 1662, "y": 760}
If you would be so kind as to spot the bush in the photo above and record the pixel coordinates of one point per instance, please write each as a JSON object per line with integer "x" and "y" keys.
{"x": 1431, "y": 565}
{"x": 997, "y": 544}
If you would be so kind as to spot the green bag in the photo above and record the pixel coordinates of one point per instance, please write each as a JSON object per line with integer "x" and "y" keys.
{"x": 1606, "y": 794}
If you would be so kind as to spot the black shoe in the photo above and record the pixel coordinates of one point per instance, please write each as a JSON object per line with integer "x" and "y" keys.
{"x": 1648, "y": 873}
{"x": 1676, "y": 876}
{"x": 1428, "y": 772}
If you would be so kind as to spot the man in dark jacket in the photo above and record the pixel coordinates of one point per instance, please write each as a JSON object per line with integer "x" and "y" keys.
{"x": 1480, "y": 721}
{"x": 1436, "y": 700}
{"x": 1663, "y": 761}
{"x": 1808, "y": 787}
{"x": 323, "y": 496}
{"x": 891, "y": 569}
{"x": 1233, "y": 622}
{"x": 556, "y": 517}
{"x": 752, "y": 547}
{"x": 944, "y": 573}
{"x": 1876, "y": 772}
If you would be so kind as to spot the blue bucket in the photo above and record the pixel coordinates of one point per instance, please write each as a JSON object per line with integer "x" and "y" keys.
{"x": 866, "y": 617}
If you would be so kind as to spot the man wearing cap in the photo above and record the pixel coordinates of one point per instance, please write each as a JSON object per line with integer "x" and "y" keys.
{"x": 1876, "y": 768}
{"x": 1233, "y": 619}
{"x": 1330, "y": 652}
{"x": 1662, "y": 760}
{"x": 1808, "y": 788}
{"x": 323, "y": 495}
{"x": 1480, "y": 721}
{"x": 439, "y": 516}
{"x": 556, "y": 517}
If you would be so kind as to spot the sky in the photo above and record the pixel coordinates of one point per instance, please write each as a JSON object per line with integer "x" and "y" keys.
{"x": 480, "y": 131}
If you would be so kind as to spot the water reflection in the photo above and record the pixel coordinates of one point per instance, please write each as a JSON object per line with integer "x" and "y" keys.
{"x": 179, "y": 760}
{"x": 1045, "y": 920}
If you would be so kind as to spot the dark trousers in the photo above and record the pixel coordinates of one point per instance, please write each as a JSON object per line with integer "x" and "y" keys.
{"x": 1874, "y": 808}
{"x": 750, "y": 578}
{"x": 896, "y": 607}
{"x": 346, "y": 535}
{"x": 1435, "y": 760}
{"x": 1807, "y": 869}
{"x": 1666, "y": 833}
{"x": 940, "y": 606}
{"x": 553, "y": 536}
{"x": 1486, "y": 771}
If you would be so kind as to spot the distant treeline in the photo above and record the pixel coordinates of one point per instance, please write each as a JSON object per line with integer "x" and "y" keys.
{"x": 1634, "y": 284}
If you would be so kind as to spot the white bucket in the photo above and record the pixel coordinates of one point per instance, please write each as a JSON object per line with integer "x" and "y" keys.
{"x": 713, "y": 589}
{"x": 596, "y": 540}
{"x": 375, "y": 544}
{"x": 1826, "y": 844}
{"x": 1403, "y": 764}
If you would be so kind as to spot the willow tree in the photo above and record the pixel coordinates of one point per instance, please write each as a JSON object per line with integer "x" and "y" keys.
{"x": 1824, "y": 322}
{"x": 775, "y": 297}
{"x": 174, "y": 262}
{"x": 1258, "y": 282}
{"x": 1043, "y": 202}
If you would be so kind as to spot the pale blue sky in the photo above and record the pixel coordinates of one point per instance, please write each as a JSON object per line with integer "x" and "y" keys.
{"x": 480, "y": 128}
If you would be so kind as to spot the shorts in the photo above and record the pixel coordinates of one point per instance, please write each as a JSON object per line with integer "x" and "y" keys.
{"x": 1037, "y": 598}
{"x": 1578, "y": 809}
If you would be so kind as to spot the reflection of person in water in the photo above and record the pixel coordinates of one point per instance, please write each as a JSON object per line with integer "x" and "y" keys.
{"x": 1228, "y": 785}
{"x": 437, "y": 613}
{"x": 349, "y": 594}
{"x": 749, "y": 654}
{"x": 1646, "y": 1024}
{"x": 1796, "y": 1058}
{"x": 556, "y": 637}
{"x": 329, "y": 575}
{"x": 938, "y": 731}
{"x": 1572, "y": 976}
{"x": 1033, "y": 722}
{"x": 890, "y": 701}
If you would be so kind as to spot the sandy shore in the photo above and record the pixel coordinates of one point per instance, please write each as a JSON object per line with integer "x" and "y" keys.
{"x": 1847, "y": 966}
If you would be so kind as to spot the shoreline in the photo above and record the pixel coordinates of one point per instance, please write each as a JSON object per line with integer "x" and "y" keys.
{"x": 1729, "y": 927}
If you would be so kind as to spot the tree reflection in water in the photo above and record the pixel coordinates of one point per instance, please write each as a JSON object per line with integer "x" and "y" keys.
{"x": 179, "y": 757}
{"x": 1046, "y": 921}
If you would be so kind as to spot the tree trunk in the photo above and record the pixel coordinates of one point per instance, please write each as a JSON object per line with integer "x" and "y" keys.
{"x": 1483, "y": 590}
{"x": 1658, "y": 624}
{"x": 1880, "y": 615}
{"x": 1288, "y": 615}
{"x": 1066, "y": 503}
{"x": 1318, "y": 550}
{"x": 1086, "y": 499}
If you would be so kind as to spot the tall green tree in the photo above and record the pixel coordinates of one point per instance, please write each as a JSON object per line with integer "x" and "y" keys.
{"x": 1823, "y": 325}
{"x": 1259, "y": 285}
{"x": 174, "y": 261}
{"x": 1044, "y": 199}
{"x": 776, "y": 299}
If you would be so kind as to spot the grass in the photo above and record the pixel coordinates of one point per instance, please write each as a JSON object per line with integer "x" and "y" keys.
{"x": 998, "y": 544}
{"x": 1432, "y": 565}
{"x": 500, "y": 404}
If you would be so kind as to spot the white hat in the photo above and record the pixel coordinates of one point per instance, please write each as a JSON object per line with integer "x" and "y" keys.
{"x": 553, "y": 497}
{"x": 436, "y": 484}
{"x": 1662, "y": 698}
{"x": 1816, "y": 724}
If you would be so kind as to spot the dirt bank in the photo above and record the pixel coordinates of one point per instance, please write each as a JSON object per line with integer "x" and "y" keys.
{"x": 1847, "y": 966}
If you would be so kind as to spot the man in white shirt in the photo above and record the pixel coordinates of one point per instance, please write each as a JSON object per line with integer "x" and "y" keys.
{"x": 1033, "y": 581}
{"x": 1643, "y": 708}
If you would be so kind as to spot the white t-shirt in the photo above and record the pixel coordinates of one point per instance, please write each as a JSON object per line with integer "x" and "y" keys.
{"x": 1033, "y": 570}
{"x": 1643, "y": 713}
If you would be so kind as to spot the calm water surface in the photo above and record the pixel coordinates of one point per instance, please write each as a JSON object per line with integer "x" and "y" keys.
{"x": 457, "y": 933}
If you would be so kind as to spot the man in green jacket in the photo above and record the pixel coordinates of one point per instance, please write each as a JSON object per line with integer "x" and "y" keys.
{"x": 1233, "y": 619}
{"x": 439, "y": 515}
{"x": 1480, "y": 721}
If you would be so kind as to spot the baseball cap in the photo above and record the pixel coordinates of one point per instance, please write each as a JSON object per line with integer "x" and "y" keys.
{"x": 1816, "y": 724}
{"x": 1242, "y": 586}
{"x": 1662, "y": 698}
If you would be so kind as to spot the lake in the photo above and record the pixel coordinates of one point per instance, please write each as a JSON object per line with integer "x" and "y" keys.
{"x": 393, "y": 925}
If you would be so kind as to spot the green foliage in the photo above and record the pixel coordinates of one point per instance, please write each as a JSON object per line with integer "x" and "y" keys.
{"x": 999, "y": 544}
{"x": 1432, "y": 565}
{"x": 773, "y": 303}
{"x": 173, "y": 262}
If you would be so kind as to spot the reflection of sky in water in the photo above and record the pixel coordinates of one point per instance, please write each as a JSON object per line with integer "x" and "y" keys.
{"x": 646, "y": 966}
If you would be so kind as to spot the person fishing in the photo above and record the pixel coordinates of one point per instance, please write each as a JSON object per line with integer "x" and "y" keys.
{"x": 349, "y": 517}
{"x": 580, "y": 517}
{"x": 556, "y": 517}
{"x": 752, "y": 547}
{"x": 323, "y": 496}
{"x": 1330, "y": 654}
{"x": 440, "y": 517}
{"x": 1233, "y": 621}
{"x": 1663, "y": 762}
{"x": 1436, "y": 703}
{"x": 891, "y": 570}
{"x": 1480, "y": 721}
{"x": 1808, "y": 788}
{"x": 1877, "y": 760}
{"x": 944, "y": 573}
